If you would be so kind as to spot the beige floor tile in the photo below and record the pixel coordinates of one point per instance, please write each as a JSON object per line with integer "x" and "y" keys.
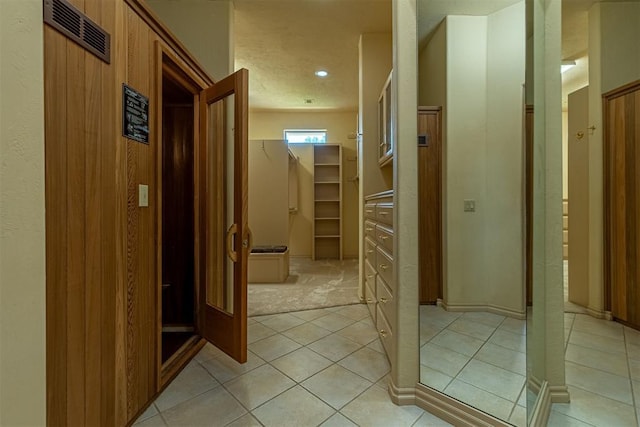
{"x": 460, "y": 343}
{"x": 258, "y": 386}
{"x": 338, "y": 420}
{"x": 224, "y": 368}
{"x": 301, "y": 364}
{"x": 472, "y": 329}
{"x": 336, "y": 386}
{"x": 306, "y": 333}
{"x": 430, "y": 420}
{"x": 354, "y": 311}
{"x": 599, "y": 382}
{"x": 295, "y": 407}
{"x": 614, "y": 363}
{"x": 334, "y": 347}
{"x": 509, "y": 340}
{"x": 374, "y": 408}
{"x": 192, "y": 381}
{"x": 633, "y": 351}
{"x": 434, "y": 379}
{"x": 519, "y": 416}
{"x": 437, "y": 315}
{"x": 310, "y": 315}
{"x": 515, "y": 326}
{"x": 597, "y": 410}
{"x": 273, "y": 347}
{"x": 367, "y": 363}
{"x": 216, "y": 405}
{"x": 360, "y": 332}
{"x": 246, "y": 420}
{"x": 427, "y": 332}
{"x": 333, "y": 322}
{"x": 148, "y": 413}
{"x": 209, "y": 351}
{"x": 605, "y": 328}
{"x": 493, "y": 379}
{"x": 631, "y": 335}
{"x": 377, "y": 346}
{"x": 383, "y": 382}
{"x": 510, "y": 360}
{"x": 155, "y": 421}
{"x": 441, "y": 359}
{"x": 481, "y": 399}
{"x": 598, "y": 342}
{"x": 488, "y": 319}
{"x": 558, "y": 419}
{"x": 257, "y": 331}
{"x": 282, "y": 322}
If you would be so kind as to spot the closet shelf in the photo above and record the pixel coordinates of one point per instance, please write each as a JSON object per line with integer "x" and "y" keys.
{"x": 327, "y": 196}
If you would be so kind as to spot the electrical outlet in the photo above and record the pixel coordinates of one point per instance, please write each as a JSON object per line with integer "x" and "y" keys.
{"x": 469, "y": 205}
{"x": 143, "y": 196}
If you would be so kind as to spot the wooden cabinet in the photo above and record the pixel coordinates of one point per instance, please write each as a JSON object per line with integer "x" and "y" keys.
{"x": 379, "y": 265}
{"x": 430, "y": 204}
{"x": 327, "y": 194}
{"x": 385, "y": 124}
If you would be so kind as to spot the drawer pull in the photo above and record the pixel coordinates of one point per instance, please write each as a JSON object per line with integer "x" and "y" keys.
{"x": 383, "y": 267}
{"x": 383, "y": 300}
{"x": 383, "y": 333}
{"x": 369, "y": 276}
{"x": 383, "y": 238}
{"x": 368, "y": 229}
{"x": 369, "y": 251}
{"x": 369, "y": 210}
{"x": 369, "y": 301}
{"x": 384, "y": 213}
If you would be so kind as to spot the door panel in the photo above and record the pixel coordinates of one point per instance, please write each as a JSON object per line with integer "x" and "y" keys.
{"x": 622, "y": 202}
{"x": 225, "y": 239}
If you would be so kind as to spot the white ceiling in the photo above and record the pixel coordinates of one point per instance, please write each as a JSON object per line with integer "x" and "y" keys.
{"x": 283, "y": 42}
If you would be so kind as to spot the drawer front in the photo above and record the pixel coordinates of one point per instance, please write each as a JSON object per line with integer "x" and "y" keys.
{"x": 386, "y": 335}
{"x": 370, "y": 210}
{"x": 370, "y": 250}
{"x": 385, "y": 237}
{"x": 370, "y": 229}
{"x": 385, "y": 302}
{"x": 384, "y": 213}
{"x": 384, "y": 267}
{"x": 370, "y": 298}
{"x": 370, "y": 272}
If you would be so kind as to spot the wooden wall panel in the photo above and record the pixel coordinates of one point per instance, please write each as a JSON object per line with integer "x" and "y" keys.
{"x": 622, "y": 202}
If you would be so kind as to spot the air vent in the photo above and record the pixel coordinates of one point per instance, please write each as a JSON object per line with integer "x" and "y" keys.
{"x": 64, "y": 17}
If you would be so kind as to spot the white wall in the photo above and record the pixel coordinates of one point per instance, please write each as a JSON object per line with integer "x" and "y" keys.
{"x": 22, "y": 220}
{"x": 269, "y": 192}
{"x": 206, "y": 29}
{"x": 505, "y": 161}
{"x": 432, "y": 63}
{"x": 270, "y": 125}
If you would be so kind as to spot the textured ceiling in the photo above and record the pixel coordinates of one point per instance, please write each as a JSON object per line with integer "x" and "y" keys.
{"x": 282, "y": 44}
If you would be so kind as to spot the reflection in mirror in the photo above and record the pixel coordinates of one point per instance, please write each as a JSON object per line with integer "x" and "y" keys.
{"x": 220, "y": 268}
{"x": 472, "y": 330}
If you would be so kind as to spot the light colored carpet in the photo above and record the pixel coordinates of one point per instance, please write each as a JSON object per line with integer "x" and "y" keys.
{"x": 311, "y": 284}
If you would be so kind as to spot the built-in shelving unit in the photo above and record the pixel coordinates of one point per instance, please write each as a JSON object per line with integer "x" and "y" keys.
{"x": 327, "y": 195}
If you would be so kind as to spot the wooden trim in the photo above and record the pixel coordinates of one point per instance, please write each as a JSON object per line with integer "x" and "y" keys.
{"x": 622, "y": 90}
{"x": 179, "y": 359}
{"x": 161, "y": 30}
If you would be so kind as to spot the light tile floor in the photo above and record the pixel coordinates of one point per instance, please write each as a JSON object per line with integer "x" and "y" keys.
{"x": 478, "y": 358}
{"x": 308, "y": 368}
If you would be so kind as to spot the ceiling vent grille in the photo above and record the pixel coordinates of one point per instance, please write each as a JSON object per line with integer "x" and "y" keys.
{"x": 64, "y": 17}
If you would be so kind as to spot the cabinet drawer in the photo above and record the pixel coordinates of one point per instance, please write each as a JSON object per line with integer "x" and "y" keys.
{"x": 385, "y": 237}
{"x": 386, "y": 302}
{"x": 370, "y": 250}
{"x": 386, "y": 335}
{"x": 384, "y": 267}
{"x": 370, "y": 272}
{"x": 370, "y": 210}
{"x": 384, "y": 212}
{"x": 370, "y": 229}
{"x": 370, "y": 298}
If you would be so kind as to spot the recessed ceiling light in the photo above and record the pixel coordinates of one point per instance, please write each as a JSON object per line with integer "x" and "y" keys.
{"x": 321, "y": 73}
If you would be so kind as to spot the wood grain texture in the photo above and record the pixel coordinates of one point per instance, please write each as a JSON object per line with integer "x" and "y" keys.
{"x": 430, "y": 205}
{"x": 621, "y": 111}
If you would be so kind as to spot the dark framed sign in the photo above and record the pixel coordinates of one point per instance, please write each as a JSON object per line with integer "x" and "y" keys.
{"x": 135, "y": 115}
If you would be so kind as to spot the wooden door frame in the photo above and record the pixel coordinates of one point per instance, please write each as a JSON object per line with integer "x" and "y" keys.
{"x": 169, "y": 65}
{"x": 606, "y": 171}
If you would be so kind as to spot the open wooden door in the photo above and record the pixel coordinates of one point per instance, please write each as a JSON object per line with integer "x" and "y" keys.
{"x": 224, "y": 233}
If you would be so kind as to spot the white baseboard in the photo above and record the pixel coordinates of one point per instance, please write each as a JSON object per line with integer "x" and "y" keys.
{"x": 402, "y": 396}
{"x": 488, "y": 308}
{"x": 547, "y": 396}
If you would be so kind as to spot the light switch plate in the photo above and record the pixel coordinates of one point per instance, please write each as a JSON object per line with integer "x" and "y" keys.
{"x": 143, "y": 196}
{"x": 469, "y": 205}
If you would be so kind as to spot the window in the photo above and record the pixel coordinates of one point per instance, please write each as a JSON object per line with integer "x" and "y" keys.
{"x": 305, "y": 136}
